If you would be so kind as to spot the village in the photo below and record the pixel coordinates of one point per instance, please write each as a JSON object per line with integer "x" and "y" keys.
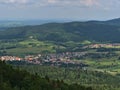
{"x": 108, "y": 45}
{"x": 62, "y": 59}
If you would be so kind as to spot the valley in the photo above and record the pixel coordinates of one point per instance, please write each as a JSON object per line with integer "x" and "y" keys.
{"x": 60, "y": 45}
{"x": 86, "y": 53}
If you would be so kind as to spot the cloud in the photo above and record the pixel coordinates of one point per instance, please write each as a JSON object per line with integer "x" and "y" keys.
{"x": 15, "y": 2}
{"x": 65, "y": 3}
{"x": 89, "y": 2}
{"x": 51, "y": 2}
{"x": 109, "y": 4}
{"x": 73, "y": 2}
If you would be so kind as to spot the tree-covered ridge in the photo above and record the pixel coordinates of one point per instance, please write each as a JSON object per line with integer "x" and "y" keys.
{"x": 15, "y": 79}
{"x": 63, "y": 32}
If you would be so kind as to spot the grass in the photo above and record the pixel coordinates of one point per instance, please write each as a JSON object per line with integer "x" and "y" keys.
{"x": 32, "y": 46}
{"x": 25, "y": 42}
{"x": 29, "y": 50}
{"x": 86, "y": 42}
{"x": 111, "y": 66}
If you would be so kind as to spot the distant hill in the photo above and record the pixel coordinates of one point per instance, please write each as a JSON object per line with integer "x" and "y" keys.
{"x": 114, "y": 21}
{"x": 94, "y": 31}
{"x": 16, "y": 23}
{"x": 4, "y": 24}
{"x": 7, "y": 24}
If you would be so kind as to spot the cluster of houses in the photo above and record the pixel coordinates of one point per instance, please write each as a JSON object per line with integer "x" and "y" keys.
{"x": 49, "y": 59}
{"x": 103, "y": 45}
{"x": 10, "y": 58}
{"x": 16, "y": 58}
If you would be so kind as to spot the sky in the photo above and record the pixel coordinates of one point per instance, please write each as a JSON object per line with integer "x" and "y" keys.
{"x": 59, "y": 9}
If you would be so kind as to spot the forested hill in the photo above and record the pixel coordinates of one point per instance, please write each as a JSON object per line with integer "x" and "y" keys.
{"x": 104, "y": 31}
{"x": 15, "y": 79}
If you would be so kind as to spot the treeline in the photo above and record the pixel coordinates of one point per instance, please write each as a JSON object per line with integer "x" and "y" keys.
{"x": 16, "y": 79}
{"x": 63, "y": 32}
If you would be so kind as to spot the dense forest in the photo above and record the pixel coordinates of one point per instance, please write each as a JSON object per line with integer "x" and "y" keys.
{"x": 16, "y": 79}
{"x": 63, "y": 32}
{"x": 84, "y": 76}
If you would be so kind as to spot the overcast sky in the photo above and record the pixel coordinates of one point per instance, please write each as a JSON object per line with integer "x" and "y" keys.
{"x": 60, "y": 9}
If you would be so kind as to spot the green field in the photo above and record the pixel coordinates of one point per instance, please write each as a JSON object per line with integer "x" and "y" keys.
{"x": 29, "y": 46}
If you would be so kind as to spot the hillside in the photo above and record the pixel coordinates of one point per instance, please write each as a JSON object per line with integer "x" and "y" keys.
{"x": 114, "y": 21}
{"x": 64, "y": 32}
{"x": 15, "y": 79}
